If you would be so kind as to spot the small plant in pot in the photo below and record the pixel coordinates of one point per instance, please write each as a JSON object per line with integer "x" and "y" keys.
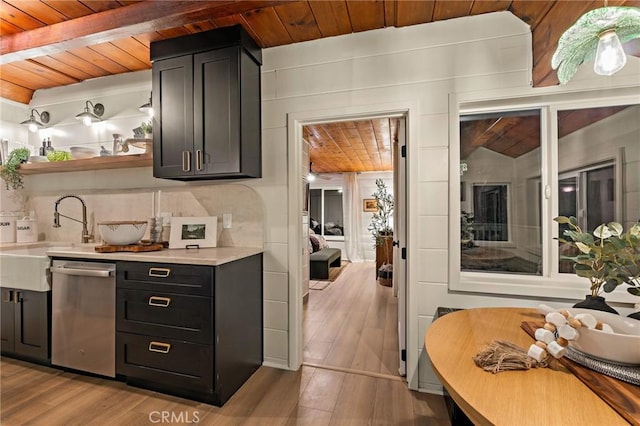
{"x": 380, "y": 226}
{"x": 9, "y": 173}
{"x": 607, "y": 258}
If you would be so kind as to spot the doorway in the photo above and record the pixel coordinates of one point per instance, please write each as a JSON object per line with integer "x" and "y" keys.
{"x": 357, "y": 312}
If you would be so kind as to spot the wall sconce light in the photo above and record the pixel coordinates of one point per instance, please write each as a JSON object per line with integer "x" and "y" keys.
{"x": 87, "y": 117}
{"x": 600, "y": 33}
{"x": 147, "y": 108}
{"x": 34, "y": 124}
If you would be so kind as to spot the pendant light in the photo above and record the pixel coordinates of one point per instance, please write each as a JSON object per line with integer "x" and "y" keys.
{"x": 610, "y": 57}
{"x": 90, "y": 116}
{"x": 34, "y": 124}
{"x": 598, "y": 33}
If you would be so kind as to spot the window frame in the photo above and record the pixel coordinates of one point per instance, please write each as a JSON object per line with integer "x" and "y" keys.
{"x": 551, "y": 284}
{"x": 322, "y": 221}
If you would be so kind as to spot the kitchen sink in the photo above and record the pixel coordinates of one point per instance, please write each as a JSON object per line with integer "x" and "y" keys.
{"x": 27, "y": 268}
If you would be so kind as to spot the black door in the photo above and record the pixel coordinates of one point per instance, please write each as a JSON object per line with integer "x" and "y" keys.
{"x": 216, "y": 112}
{"x": 173, "y": 120}
{"x": 31, "y": 323}
{"x": 7, "y": 324}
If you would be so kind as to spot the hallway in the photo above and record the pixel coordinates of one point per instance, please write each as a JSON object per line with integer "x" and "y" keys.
{"x": 352, "y": 324}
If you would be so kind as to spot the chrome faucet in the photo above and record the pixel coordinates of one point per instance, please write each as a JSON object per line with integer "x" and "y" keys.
{"x": 56, "y": 217}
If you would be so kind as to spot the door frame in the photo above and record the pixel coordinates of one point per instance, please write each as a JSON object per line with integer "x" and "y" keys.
{"x": 295, "y": 121}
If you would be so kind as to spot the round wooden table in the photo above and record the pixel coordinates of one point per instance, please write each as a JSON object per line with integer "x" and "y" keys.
{"x": 544, "y": 396}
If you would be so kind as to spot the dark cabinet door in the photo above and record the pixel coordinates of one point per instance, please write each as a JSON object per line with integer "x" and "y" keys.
{"x": 217, "y": 113}
{"x": 173, "y": 121}
{"x": 7, "y": 324}
{"x": 31, "y": 323}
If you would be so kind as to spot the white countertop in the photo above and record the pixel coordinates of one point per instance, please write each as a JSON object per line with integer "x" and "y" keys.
{"x": 205, "y": 256}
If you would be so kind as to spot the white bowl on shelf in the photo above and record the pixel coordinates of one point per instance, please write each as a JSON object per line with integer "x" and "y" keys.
{"x": 122, "y": 233}
{"x": 622, "y": 346}
{"x": 79, "y": 152}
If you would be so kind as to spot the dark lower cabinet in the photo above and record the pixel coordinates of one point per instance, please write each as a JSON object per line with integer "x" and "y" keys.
{"x": 189, "y": 330}
{"x": 25, "y": 329}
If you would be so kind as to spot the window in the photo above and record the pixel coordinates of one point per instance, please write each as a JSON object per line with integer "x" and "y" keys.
{"x": 326, "y": 212}
{"x": 500, "y": 151}
{"x": 519, "y": 169}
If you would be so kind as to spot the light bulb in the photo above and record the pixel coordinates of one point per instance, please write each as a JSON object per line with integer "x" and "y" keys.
{"x": 610, "y": 57}
{"x": 311, "y": 177}
{"x": 33, "y": 128}
{"x": 86, "y": 121}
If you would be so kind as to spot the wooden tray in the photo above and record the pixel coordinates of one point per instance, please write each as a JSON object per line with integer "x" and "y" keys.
{"x": 106, "y": 248}
{"x": 621, "y": 396}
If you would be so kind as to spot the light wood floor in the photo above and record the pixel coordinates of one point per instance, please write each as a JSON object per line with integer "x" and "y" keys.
{"x": 360, "y": 336}
{"x": 352, "y": 324}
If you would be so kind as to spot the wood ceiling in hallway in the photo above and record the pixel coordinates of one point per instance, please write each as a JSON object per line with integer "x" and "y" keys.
{"x": 353, "y": 146}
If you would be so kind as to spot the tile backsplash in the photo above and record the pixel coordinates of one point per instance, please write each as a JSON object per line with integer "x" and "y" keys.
{"x": 242, "y": 202}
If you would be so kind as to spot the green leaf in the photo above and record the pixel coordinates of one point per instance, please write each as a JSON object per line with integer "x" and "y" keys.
{"x": 562, "y": 219}
{"x": 634, "y": 290}
{"x": 610, "y": 285}
{"x": 584, "y": 273}
{"x": 583, "y": 247}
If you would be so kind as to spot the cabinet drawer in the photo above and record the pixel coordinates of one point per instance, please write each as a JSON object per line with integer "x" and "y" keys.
{"x": 175, "y": 316}
{"x": 166, "y": 362}
{"x": 166, "y": 277}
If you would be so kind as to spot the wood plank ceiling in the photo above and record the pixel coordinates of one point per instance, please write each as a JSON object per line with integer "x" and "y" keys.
{"x": 49, "y": 43}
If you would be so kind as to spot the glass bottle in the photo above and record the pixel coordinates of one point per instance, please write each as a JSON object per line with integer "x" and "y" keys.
{"x": 49, "y": 147}
{"x": 43, "y": 148}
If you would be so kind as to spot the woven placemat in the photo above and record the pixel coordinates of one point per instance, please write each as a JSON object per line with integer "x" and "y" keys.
{"x": 628, "y": 373}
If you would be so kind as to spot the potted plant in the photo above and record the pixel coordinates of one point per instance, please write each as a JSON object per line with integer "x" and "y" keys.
{"x": 9, "y": 173}
{"x": 147, "y": 128}
{"x": 381, "y": 230}
{"x": 607, "y": 258}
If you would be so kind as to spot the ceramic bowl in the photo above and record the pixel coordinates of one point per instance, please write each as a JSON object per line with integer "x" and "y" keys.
{"x": 622, "y": 346}
{"x": 78, "y": 152}
{"x": 122, "y": 233}
{"x": 38, "y": 159}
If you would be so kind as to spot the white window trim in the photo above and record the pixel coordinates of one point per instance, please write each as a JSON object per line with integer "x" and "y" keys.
{"x": 550, "y": 284}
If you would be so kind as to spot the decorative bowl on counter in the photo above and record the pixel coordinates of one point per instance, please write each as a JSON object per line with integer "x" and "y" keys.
{"x": 621, "y": 346}
{"x": 78, "y": 152}
{"x": 122, "y": 233}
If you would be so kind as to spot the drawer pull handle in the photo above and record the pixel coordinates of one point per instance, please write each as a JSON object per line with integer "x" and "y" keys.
{"x": 159, "y": 347}
{"x": 159, "y": 272}
{"x": 163, "y": 302}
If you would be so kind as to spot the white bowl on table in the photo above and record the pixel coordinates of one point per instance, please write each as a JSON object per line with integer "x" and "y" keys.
{"x": 79, "y": 152}
{"x": 122, "y": 233}
{"x": 622, "y": 346}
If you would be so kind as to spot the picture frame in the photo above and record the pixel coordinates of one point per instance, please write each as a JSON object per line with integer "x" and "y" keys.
{"x": 193, "y": 232}
{"x": 369, "y": 205}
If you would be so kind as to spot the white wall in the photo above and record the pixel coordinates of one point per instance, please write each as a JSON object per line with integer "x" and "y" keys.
{"x": 418, "y": 66}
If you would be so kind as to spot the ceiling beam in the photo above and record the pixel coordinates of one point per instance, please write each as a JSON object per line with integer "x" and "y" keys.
{"x": 118, "y": 23}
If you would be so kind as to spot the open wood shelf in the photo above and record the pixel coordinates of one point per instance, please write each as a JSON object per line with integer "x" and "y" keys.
{"x": 95, "y": 163}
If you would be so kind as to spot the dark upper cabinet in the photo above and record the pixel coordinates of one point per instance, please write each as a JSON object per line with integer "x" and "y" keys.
{"x": 206, "y": 94}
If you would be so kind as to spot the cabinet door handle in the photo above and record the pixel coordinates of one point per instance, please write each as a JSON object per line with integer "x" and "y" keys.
{"x": 163, "y": 302}
{"x": 159, "y": 272}
{"x": 16, "y": 297}
{"x": 186, "y": 161}
{"x": 159, "y": 347}
{"x": 7, "y": 296}
{"x": 198, "y": 159}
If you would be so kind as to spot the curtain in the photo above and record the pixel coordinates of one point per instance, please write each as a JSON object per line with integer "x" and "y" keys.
{"x": 353, "y": 218}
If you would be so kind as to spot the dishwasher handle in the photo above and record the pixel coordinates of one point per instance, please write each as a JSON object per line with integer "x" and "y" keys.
{"x": 101, "y": 273}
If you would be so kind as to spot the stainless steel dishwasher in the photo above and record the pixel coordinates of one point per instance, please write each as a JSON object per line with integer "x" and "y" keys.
{"x": 83, "y": 307}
